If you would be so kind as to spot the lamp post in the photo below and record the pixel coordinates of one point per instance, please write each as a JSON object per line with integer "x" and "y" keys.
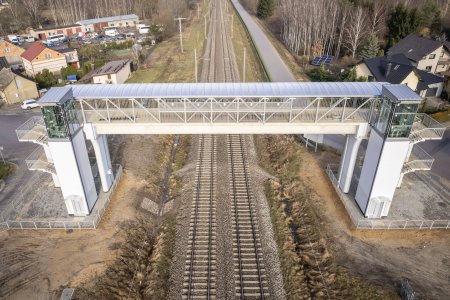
{"x": 1, "y": 154}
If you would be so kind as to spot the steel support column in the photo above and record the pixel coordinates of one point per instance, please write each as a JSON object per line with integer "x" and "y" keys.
{"x": 348, "y": 162}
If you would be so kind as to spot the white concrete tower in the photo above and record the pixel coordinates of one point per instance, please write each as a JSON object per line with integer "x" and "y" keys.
{"x": 387, "y": 150}
{"x": 69, "y": 153}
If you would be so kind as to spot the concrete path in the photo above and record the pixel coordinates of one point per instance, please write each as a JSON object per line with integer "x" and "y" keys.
{"x": 276, "y": 68}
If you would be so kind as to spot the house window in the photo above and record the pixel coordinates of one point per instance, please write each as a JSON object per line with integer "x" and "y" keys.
{"x": 396, "y": 67}
{"x": 109, "y": 76}
{"x": 48, "y": 55}
{"x": 6, "y": 50}
{"x": 428, "y": 68}
{"x": 442, "y": 54}
{"x": 432, "y": 56}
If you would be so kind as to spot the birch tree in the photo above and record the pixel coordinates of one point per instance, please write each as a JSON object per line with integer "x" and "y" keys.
{"x": 355, "y": 30}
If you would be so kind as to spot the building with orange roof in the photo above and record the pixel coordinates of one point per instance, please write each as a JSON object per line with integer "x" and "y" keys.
{"x": 38, "y": 57}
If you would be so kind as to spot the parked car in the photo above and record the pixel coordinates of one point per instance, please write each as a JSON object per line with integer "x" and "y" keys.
{"x": 29, "y": 104}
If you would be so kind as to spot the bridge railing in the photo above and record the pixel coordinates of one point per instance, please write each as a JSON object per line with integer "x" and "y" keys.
{"x": 211, "y": 110}
{"x": 360, "y": 222}
{"x": 426, "y": 128}
{"x": 35, "y": 124}
{"x": 90, "y": 222}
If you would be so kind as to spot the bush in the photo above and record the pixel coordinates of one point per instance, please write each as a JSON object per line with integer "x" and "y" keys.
{"x": 69, "y": 70}
{"x": 46, "y": 79}
{"x": 322, "y": 74}
{"x": 6, "y": 169}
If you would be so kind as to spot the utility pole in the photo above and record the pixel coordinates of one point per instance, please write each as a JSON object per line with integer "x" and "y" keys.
{"x": 181, "y": 32}
{"x": 232, "y": 27}
{"x": 243, "y": 69}
{"x": 205, "y": 28}
{"x": 195, "y": 68}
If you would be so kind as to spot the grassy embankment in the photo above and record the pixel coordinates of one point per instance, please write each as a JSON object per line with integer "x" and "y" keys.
{"x": 309, "y": 269}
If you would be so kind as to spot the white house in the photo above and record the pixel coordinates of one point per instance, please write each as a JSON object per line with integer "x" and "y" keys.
{"x": 425, "y": 54}
{"x": 113, "y": 72}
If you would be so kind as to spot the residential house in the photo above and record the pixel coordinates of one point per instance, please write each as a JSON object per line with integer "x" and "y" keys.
{"x": 424, "y": 53}
{"x": 398, "y": 69}
{"x": 11, "y": 53}
{"x": 71, "y": 56}
{"x": 113, "y": 72}
{"x": 15, "y": 88}
{"x": 38, "y": 57}
{"x": 114, "y": 21}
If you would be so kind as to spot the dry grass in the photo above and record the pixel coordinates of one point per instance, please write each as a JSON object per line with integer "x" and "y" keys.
{"x": 167, "y": 64}
{"x": 309, "y": 269}
{"x": 443, "y": 116}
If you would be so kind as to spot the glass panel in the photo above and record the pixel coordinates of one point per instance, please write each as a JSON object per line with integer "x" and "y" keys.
{"x": 71, "y": 115}
{"x": 403, "y": 120}
{"x": 54, "y": 121}
{"x": 383, "y": 118}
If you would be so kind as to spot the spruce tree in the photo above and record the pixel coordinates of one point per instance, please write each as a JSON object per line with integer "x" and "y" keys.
{"x": 371, "y": 47}
{"x": 265, "y": 9}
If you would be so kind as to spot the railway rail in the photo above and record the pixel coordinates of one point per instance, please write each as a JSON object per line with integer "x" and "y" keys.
{"x": 250, "y": 281}
{"x": 200, "y": 266}
{"x": 250, "y": 274}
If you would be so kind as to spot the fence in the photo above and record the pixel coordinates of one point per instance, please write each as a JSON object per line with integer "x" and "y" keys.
{"x": 90, "y": 222}
{"x": 362, "y": 223}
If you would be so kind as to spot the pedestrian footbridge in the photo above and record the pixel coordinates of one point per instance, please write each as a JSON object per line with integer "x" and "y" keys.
{"x": 223, "y": 108}
{"x": 72, "y": 114}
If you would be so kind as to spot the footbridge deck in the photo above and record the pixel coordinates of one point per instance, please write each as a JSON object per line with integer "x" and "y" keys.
{"x": 219, "y": 108}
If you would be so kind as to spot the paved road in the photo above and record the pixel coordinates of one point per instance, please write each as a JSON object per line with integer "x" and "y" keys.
{"x": 277, "y": 70}
{"x": 440, "y": 151}
{"x": 10, "y": 119}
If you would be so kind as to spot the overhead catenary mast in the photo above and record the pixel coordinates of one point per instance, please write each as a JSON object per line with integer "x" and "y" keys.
{"x": 181, "y": 32}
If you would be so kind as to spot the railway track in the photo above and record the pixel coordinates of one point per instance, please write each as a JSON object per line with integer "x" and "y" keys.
{"x": 200, "y": 266}
{"x": 249, "y": 269}
{"x": 200, "y": 274}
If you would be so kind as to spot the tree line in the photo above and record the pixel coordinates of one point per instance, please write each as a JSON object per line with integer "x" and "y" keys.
{"x": 358, "y": 28}
{"x": 20, "y": 14}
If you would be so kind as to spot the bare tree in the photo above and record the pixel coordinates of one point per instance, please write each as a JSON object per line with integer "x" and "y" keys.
{"x": 32, "y": 7}
{"x": 355, "y": 30}
{"x": 377, "y": 19}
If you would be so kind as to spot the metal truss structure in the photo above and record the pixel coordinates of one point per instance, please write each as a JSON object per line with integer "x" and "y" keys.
{"x": 227, "y": 110}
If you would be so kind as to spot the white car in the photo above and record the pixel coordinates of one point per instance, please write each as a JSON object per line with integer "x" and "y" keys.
{"x": 29, "y": 104}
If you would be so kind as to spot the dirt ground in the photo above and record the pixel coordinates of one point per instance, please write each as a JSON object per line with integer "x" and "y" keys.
{"x": 383, "y": 257}
{"x": 35, "y": 264}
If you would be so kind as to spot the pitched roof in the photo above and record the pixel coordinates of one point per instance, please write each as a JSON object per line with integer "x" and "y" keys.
{"x": 6, "y": 77}
{"x": 415, "y": 47}
{"x": 10, "y": 45}
{"x": 65, "y": 50}
{"x": 111, "y": 68}
{"x": 107, "y": 19}
{"x": 400, "y": 68}
{"x": 33, "y": 51}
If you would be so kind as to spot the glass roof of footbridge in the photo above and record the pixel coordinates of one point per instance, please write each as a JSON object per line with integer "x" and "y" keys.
{"x": 225, "y": 90}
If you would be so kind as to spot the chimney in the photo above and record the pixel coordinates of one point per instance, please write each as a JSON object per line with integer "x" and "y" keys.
{"x": 388, "y": 70}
